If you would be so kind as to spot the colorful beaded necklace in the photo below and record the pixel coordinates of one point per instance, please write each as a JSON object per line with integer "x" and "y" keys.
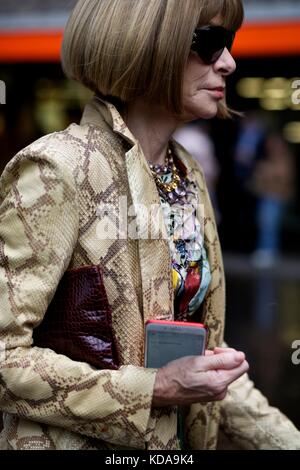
{"x": 171, "y": 185}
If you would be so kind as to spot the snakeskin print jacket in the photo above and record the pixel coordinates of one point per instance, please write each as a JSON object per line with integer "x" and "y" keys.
{"x": 49, "y": 223}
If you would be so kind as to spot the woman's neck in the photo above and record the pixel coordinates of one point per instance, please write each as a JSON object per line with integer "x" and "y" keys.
{"x": 152, "y": 126}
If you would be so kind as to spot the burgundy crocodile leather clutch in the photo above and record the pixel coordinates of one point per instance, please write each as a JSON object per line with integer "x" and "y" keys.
{"x": 78, "y": 321}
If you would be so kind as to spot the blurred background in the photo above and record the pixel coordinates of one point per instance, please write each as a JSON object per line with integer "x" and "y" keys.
{"x": 252, "y": 165}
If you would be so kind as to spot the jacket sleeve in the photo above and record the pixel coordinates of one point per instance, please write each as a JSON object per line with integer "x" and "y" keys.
{"x": 38, "y": 232}
{"x": 250, "y": 422}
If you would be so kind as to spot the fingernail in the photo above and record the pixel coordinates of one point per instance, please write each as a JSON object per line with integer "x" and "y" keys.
{"x": 239, "y": 356}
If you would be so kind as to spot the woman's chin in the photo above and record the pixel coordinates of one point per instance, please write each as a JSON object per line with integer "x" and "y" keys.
{"x": 205, "y": 111}
{"x": 208, "y": 113}
{"x": 200, "y": 109}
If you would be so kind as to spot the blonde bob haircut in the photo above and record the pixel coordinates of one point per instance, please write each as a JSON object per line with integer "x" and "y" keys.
{"x": 125, "y": 49}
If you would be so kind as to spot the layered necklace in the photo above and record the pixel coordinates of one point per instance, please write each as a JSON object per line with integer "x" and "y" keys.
{"x": 170, "y": 184}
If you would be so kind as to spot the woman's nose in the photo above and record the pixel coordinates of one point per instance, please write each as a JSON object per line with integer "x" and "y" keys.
{"x": 225, "y": 64}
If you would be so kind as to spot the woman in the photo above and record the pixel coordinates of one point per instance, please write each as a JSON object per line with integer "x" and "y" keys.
{"x": 152, "y": 65}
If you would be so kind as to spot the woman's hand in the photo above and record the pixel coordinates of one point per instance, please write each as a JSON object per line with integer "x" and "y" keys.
{"x": 195, "y": 379}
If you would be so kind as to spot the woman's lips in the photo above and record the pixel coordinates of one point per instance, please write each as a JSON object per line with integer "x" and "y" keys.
{"x": 218, "y": 92}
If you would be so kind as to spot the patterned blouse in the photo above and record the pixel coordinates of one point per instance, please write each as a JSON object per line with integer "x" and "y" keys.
{"x": 190, "y": 266}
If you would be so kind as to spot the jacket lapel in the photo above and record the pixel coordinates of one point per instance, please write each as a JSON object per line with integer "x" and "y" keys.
{"x": 145, "y": 217}
{"x": 155, "y": 259}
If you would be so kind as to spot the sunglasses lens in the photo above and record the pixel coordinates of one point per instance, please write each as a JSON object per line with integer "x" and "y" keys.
{"x": 209, "y": 42}
{"x": 216, "y": 55}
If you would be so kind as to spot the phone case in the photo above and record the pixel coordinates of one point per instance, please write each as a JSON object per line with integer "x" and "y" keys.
{"x": 166, "y": 341}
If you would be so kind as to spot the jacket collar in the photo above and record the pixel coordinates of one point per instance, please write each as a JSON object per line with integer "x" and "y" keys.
{"x": 98, "y": 110}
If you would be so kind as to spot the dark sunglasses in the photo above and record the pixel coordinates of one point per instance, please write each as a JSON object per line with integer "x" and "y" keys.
{"x": 209, "y": 42}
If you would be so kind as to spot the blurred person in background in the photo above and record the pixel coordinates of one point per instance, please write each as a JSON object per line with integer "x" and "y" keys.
{"x": 73, "y": 302}
{"x": 194, "y": 137}
{"x": 273, "y": 182}
{"x": 251, "y": 133}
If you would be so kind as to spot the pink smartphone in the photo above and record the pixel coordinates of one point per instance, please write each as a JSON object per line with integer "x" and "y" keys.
{"x": 166, "y": 341}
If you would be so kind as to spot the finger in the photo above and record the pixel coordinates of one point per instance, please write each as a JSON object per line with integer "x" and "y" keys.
{"x": 221, "y": 396}
{"x": 234, "y": 374}
{"x": 208, "y": 352}
{"x": 225, "y": 361}
{"x": 218, "y": 350}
